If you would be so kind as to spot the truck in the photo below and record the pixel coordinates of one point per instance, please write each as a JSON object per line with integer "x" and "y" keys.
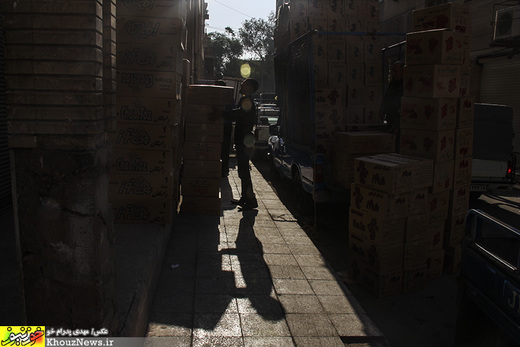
{"x": 494, "y": 163}
{"x": 293, "y": 148}
{"x": 488, "y": 294}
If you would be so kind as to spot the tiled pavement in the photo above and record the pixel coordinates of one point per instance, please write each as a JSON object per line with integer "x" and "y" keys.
{"x": 251, "y": 278}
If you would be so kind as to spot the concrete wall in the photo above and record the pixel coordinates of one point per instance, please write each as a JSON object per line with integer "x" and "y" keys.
{"x": 60, "y": 78}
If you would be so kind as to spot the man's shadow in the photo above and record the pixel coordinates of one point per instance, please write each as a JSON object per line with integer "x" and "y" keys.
{"x": 252, "y": 276}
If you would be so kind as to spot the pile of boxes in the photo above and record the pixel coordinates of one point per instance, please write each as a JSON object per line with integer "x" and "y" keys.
{"x": 437, "y": 119}
{"x": 387, "y": 234}
{"x": 145, "y": 174}
{"x": 346, "y": 61}
{"x": 204, "y": 133}
{"x": 407, "y": 210}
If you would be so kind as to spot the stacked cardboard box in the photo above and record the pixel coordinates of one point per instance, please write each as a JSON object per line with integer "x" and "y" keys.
{"x": 350, "y": 145}
{"x": 347, "y": 61}
{"x": 389, "y": 202}
{"x": 144, "y": 180}
{"x": 204, "y": 133}
{"x": 437, "y": 121}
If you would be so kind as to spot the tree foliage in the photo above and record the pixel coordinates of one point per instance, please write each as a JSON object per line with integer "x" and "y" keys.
{"x": 226, "y": 48}
{"x": 257, "y": 36}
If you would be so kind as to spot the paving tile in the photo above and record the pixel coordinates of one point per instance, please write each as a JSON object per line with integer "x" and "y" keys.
{"x": 310, "y": 260}
{"x": 287, "y": 272}
{"x": 161, "y": 341}
{"x": 172, "y": 284}
{"x": 170, "y": 324}
{"x": 301, "y": 304}
{"x": 318, "y": 342}
{"x": 174, "y": 302}
{"x": 254, "y": 341}
{"x": 280, "y": 259}
{"x": 354, "y": 325}
{"x": 337, "y": 304}
{"x": 265, "y": 239}
{"x": 324, "y": 287}
{"x": 223, "y": 284}
{"x": 318, "y": 273}
{"x": 303, "y": 249}
{"x": 275, "y": 248}
{"x": 210, "y": 324}
{"x": 263, "y": 304}
{"x": 216, "y": 341}
{"x": 292, "y": 286}
{"x": 310, "y": 324}
{"x": 255, "y": 325}
{"x": 253, "y": 286}
{"x": 215, "y": 303}
{"x": 301, "y": 240}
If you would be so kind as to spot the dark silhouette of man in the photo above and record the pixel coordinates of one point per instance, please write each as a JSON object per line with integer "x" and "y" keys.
{"x": 245, "y": 118}
{"x": 390, "y": 111}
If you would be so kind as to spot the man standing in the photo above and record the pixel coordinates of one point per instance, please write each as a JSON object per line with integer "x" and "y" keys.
{"x": 245, "y": 117}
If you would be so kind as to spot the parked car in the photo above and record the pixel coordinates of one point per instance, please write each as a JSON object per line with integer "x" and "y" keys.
{"x": 267, "y": 115}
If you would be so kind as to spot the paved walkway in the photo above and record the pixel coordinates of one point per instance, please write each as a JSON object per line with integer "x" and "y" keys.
{"x": 252, "y": 278}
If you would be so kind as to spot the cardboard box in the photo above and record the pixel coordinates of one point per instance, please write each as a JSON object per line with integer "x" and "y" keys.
{"x": 372, "y": 114}
{"x": 194, "y": 150}
{"x": 321, "y": 75}
{"x": 147, "y": 110}
{"x": 442, "y": 176}
{"x": 415, "y": 278}
{"x": 297, "y": 27}
{"x": 436, "y": 229}
{"x": 373, "y": 98}
{"x": 337, "y": 76}
{"x": 439, "y": 203}
{"x": 380, "y": 204}
{"x": 431, "y": 81}
{"x": 336, "y": 49}
{"x": 355, "y": 74}
{"x": 202, "y": 168}
{"x": 465, "y": 82}
{"x": 194, "y": 186}
{"x": 127, "y": 160}
{"x": 464, "y": 142}
{"x": 158, "y": 8}
{"x": 355, "y": 48}
{"x": 356, "y": 93}
{"x": 143, "y": 211}
{"x": 198, "y": 205}
{"x": 135, "y": 29}
{"x": 155, "y": 55}
{"x": 128, "y": 185}
{"x": 379, "y": 284}
{"x": 363, "y": 142}
{"x": 437, "y": 46}
{"x": 435, "y": 263}
{"x": 373, "y": 74}
{"x": 451, "y": 16}
{"x": 393, "y": 173}
{"x": 204, "y": 114}
{"x": 462, "y": 172}
{"x": 148, "y": 84}
{"x": 372, "y": 51}
{"x": 204, "y": 132}
{"x": 330, "y": 98}
{"x": 418, "y": 202}
{"x": 415, "y": 252}
{"x": 210, "y": 95}
{"x": 377, "y": 258}
{"x": 465, "y": 112}
{"x": 335, "y": 24}
{"x": 433, "y": 144}
{"x": 428, "y": 113}
{"x": 143, "y": 136}
{"x": 455, "y": 230}
{"x": 319, "y": 44}
{"x": 459, "y": 200}
{"x": 381, "y": 231}
{"x": 415, "y": 229}
{"x": 355, "y": 115}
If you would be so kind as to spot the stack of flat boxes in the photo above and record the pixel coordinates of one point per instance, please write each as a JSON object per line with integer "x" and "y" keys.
{"x": 389, "y": 202}
{"x": 437, "y": 123}
{"x": 201, "y": 149}
{"x": 144, "y": 182}
{"x": 347, "y": 68}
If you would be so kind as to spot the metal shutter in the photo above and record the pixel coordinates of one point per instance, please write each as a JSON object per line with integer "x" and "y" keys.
{"x": 5, "y": 171}
{"x": 501, "y": 85}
